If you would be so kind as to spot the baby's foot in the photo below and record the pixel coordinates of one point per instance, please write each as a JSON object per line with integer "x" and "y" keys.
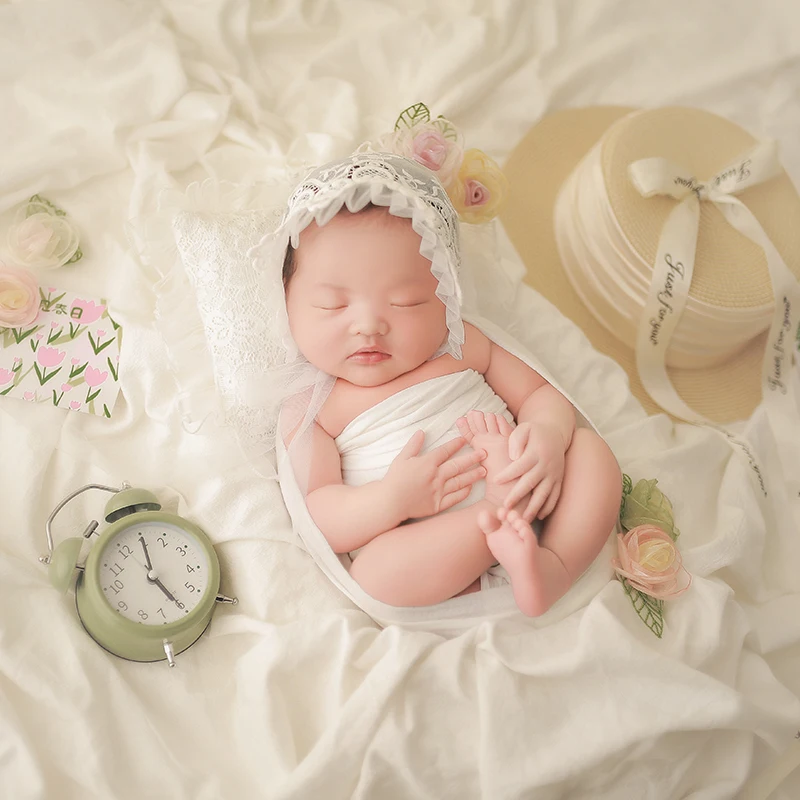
{"x": 489, "y": 432}
{"x": 514, "y": 544}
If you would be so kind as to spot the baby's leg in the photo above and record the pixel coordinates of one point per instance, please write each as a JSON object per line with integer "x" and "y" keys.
{"x": 573, "y": 535}
{"x": 426, "y": 562}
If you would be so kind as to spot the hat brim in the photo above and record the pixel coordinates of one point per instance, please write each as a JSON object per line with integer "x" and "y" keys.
{"x": 536, "y": 170}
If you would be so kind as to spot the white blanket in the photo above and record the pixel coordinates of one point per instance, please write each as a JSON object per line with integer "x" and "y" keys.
{"x": 295, "y": 693}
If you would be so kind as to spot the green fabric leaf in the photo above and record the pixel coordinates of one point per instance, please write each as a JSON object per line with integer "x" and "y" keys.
{"x": 413, "y": 115}
{"x": 650, "y": 610}
{"x": 627, "y": 486}
{"x": 648, "y": 505}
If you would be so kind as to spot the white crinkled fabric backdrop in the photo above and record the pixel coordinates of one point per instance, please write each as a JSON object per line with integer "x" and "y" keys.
{"x": 295, "y": 693}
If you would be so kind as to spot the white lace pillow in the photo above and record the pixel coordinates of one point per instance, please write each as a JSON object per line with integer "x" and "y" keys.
{"x": 210, "y": 305}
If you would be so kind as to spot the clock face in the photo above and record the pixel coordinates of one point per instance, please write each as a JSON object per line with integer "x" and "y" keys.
{"x": 153, "y": 572}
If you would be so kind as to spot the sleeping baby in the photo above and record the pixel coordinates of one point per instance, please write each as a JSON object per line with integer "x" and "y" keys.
{"x": 440, "y": 462}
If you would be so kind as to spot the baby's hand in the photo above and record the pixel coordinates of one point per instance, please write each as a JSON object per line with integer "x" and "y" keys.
{"x": 427, "y": 484}
{"x": 537, "y": 454}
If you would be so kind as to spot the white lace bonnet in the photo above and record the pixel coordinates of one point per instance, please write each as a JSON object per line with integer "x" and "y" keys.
{"x": 285, "y": 382}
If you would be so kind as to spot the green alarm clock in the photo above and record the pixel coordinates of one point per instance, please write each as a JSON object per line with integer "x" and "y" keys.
{"x": 149, "y": 586}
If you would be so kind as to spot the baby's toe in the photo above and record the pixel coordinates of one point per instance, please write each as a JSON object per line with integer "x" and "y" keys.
{"x": 477, "y": 421}
{"x": 503, "y": 425}
{"x": 487, "y": 522}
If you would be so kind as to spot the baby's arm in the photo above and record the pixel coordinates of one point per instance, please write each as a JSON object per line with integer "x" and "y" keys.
{"x": 545, "y": 426}
{"x": 348, "y": 516}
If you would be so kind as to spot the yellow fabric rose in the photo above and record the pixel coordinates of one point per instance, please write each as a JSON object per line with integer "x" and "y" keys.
{"x": 479, "y": 189}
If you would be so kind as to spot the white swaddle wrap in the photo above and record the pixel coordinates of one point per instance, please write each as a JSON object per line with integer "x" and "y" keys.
{"x": 368, "y": 445}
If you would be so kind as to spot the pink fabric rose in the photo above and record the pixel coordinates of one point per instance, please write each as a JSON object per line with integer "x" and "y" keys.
{"x": 435, "y": 144}
{"x": 94, "y": 377}
{"x": 49, "y": 356}
{"x": 649, "y": 560}
{"x": 19, "y": 297}
{"x": 475, "y": 194}
{"x": 430, "y": 149}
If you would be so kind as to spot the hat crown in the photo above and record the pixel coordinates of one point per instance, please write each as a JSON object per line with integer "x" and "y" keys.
{"x": 730, "y": 269}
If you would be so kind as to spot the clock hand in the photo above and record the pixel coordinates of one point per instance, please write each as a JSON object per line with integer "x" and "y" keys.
{"x": 151, "y": 573}
{"x": 146, "y": 553}
{"x": 161, "y": 586}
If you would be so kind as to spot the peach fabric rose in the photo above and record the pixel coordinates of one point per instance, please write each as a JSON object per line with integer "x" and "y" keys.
{"x": 479, "y": 189}
{"x": 19, "y": 297}
{"x": 649, "y": 560}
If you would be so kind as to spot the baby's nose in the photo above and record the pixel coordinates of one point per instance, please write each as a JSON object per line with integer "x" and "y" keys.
{"x": 369, "y": 323}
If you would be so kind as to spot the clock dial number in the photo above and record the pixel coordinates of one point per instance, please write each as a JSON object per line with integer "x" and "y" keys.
{"x": 156, "y": 558}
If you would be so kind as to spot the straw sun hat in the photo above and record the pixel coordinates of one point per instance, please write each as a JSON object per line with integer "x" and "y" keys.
{"x": 590, "y": 239}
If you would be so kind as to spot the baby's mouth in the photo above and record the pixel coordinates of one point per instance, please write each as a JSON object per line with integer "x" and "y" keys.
{"x": 369, "y": 355}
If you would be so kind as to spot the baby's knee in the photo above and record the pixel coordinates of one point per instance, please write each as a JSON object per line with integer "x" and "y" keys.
{"x": 597, "y": 458}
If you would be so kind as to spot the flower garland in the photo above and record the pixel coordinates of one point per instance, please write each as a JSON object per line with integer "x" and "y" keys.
{"x": 648, "y": 563}
{"x": 473, "y": 181}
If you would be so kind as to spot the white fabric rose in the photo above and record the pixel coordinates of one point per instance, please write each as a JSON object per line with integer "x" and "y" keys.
{"x": 42, "y": 239}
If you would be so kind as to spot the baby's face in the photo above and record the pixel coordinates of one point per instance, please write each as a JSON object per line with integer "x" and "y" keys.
{"x": 362, "y": 303}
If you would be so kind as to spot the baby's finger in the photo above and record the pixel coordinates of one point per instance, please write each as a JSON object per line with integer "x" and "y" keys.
{"x": 464, "y": 429}
{"x": 440, "y": 454}
{"x": 458, "y": 482}
{"x": 449, "y": 500}
{"x": 491, "y": 424}
{"x": 523, "y": 486}
{"x": 517, "y": 441}
{"x": 537, "y": 500}
{"x": 551, "y": 502}
{"x": 413, "y": 445}
{"x": 503, "y": 426}
{"x": 461, "y": 463}
{"x": 517, "y": 468}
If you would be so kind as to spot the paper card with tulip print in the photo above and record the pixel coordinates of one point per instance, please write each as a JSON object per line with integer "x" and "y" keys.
{"x": 67, "y": 357}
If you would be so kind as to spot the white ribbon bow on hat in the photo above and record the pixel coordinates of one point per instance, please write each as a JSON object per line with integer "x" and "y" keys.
{"x": 672, "y": 275}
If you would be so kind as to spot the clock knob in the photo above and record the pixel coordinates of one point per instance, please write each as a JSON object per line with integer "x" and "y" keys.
{"x": 130, "y": 501}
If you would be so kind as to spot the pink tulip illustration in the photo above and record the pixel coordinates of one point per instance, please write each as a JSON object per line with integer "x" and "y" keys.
{"x": 40, "y": 336}
{"x": 65, "y": 387}
{"x": 53, "y": 325}
{"x": 100, "y": 334}
{"x": 75, "y": 405}
{"x": 85, "y": 311}
{"x": 94, "y": 377}
{"x": 75, "y": 361}
{"x": 17, "y": 360}
{"x": 49, "y": 356}
{"x": 29, "y": 396}
{"x": 6, "y": 376}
